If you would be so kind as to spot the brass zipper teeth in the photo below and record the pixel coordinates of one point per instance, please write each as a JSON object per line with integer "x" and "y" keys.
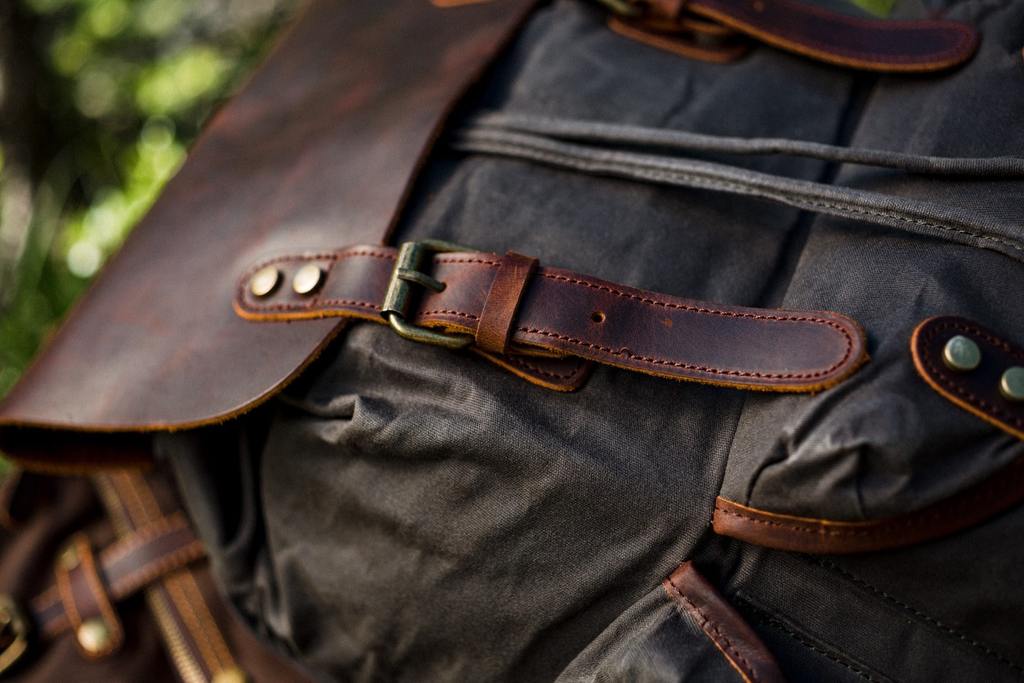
{"x": 184, "y": 662}
{"x": 187, "y": 666}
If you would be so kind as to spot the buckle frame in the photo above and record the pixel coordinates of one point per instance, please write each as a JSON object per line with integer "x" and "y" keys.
{"x": 408, "y": 270}
{"x": 13, "y": 632}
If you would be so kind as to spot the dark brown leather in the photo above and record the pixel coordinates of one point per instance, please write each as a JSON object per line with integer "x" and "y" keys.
{"x": 566, "y": 313}
{"x": 494, "y": 329}
{"x": 723, "y": 625}
{"x": 871, "y": 44}
{"x": 83, "y": 596}
{"x": 53, "y": 508}
{"x": 322, "y": 143}
{"x": 195, "y": 639}
{"x": 689, "y": 38}
{"x": 976, "y": 391}
{"x": 999, "y": 492}
{"x": 123, "y": 568}
{"x": 10, "y": 485}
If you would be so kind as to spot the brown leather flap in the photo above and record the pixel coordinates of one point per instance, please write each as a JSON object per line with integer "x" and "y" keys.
{"x": 320, "y": 146}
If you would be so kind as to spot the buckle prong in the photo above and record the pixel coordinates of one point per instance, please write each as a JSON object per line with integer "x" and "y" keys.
{"x": 408, "y": 271}
{"x": 422, "y": 279}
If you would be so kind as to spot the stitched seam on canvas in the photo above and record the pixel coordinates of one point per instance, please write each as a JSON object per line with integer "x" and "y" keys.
{"x": 769, "y": 619}
{"x": 712, "y": 630}
{"x": 921, "y": 615}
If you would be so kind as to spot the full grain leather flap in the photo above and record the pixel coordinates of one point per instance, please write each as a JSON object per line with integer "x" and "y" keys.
{"x": 321, "y": 145}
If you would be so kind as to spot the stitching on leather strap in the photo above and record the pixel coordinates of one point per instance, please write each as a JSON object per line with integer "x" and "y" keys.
{"x": 86, "y": 565}
{"x": 475, "y": 320}
{"x": 772, "y": 31}
{"x": 1008, "y": 480}
{"x": 537, "y": 370}
{"x": 626, "y": 353}
{"x": 949, "y": 384}
{"x": 146, "y": 573}
{"x": 143, "y": 535}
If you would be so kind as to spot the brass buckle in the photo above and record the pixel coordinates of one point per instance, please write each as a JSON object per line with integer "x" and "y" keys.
{"x": 412, "y": 257}
{"x": 13, "y": 633}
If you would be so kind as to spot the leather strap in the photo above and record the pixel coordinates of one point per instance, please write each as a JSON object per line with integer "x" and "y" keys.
{"x": 87, "y": 585}
{"x": 567, "y": 314}
{"x": 84, "y": 597}
{"x": 860, "y": 43}
{"x": 723, "y": 626}
{"x": 976, "y": 391}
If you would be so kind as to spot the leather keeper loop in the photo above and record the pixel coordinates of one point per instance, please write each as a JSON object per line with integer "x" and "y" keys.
{"x": 85, "y": 599}
{"x": 495, "y": 328}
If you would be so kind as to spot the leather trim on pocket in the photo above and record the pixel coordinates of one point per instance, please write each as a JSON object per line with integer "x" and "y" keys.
{"x": 825, "y": 536}
{"x": 724, "y": 627}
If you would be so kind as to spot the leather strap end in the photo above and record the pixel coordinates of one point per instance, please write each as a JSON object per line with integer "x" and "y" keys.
{"x": 85, "y": 600}
{"x": 495, "y": 327}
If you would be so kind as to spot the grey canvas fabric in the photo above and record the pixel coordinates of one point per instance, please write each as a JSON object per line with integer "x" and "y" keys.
{"x": 407, "y": 513}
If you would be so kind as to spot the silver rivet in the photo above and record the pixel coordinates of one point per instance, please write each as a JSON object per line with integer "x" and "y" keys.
{"x": 93, "y": 635}
{"x": 307, "y": 279}
{"x": 961, "y": 353}
{"x": 1011, "y": 384}
{"x": 264, "y": 281}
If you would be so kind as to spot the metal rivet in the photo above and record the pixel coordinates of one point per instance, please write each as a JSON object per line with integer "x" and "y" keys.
{"x": 307, "y": 279}
{"x": 93, "y": 635}
{"x": 68, "y": 558}
{"x": 232, "y": 675}
{"x": 1011, "y": 384}
{"x": 264, "y": 281}
{"x": 961, "y": 353}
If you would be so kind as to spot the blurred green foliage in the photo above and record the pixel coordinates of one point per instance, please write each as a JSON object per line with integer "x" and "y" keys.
{"x": 101, "y": 99}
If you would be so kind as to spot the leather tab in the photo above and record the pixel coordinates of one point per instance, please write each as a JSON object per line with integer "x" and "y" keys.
{"x": 976, "y": 391}
{"x": 870, "y": 44}
{"x": 494, "y": 330}
{"x": 723, "y": 626}
{"x": 85, "y": 598}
